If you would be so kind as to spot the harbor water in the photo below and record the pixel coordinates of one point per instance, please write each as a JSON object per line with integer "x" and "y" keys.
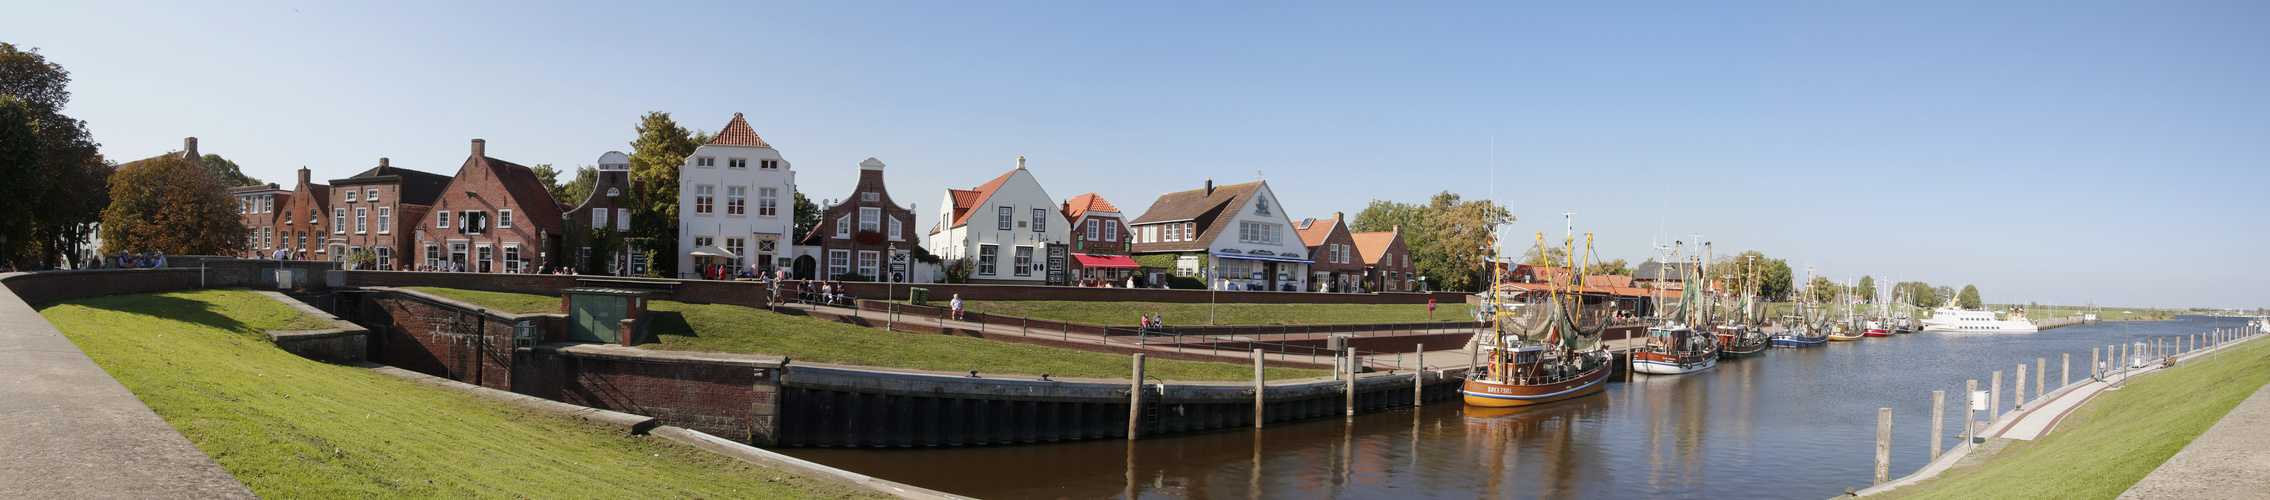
{"x": 1794, "y": 423}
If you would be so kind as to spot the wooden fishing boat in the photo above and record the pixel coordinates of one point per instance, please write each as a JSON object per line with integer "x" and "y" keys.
{"x": 1673, "y": 345}
{"x": 1541, "y": 351}
{"x": 1844, "y": 332}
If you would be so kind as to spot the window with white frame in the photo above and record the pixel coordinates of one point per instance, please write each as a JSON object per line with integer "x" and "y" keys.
{"x": 512, "y": 258}
{"x": 484, "y": 259}
{"x": 1190, "y": 231}
{"x": 768, "y": 202}
{"x": 243, "y": 205}
{"x": 386, "y": 258}
{"x": 870, "y": 219}
{"x": 1040, "y": 219}
{"x": 441, "y": 219}
{"x": 314, "y": 216}
{"x": 622, "y": 219}
{"x": 504, "y": 219}
{"x": 1111, "y": 230}
{"x": 433, "y": 256}
{"x": 705, "y": 161}
{"x": 839, "y": 263}
{"x": 768, "y": 164}
{"x": 843, "y": 226}
{"x": 1174, "y": 232}
{"x": 385, "y": 220}
{"x": 738, "y": 247}
{"x": 370, "y": 195}
{"x": 338, "y": 221}
{"x": 1023, "y": 266}
{"x": 895, "y": 228}
{"x": 268, "y": 237}
{"x": 350, "y": 196}
{"x": 1005, "y": 218}
{"x": 473, "y": 222}
{"x": 1095, "y": 230}
{"x": 736, "y": 163}
{"x": 703, "y": 196}
{"x": 736, "y": 200}
{"x": 988, "y": 256}
{"x": 362, "y": 220}
{"x": 598, "y": 219}
{"x": 870, "y": 264}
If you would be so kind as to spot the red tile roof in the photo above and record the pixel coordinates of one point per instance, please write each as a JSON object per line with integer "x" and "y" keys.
{"x": 976, "y": 197}
{"x": 1315, "y": 233}
{"x": 737, "y": 133}
{"x": 1372, "y": 245}
{"x": 1082, "y": 204}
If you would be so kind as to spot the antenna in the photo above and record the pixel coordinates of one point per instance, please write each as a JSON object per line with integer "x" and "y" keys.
{"x": 1569, "y": 218}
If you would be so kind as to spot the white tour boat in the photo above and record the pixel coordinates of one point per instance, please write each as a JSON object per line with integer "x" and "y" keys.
{"x": 1952, "y": 319}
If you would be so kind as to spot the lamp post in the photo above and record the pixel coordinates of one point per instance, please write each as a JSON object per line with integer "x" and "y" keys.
{"x": 890, "y": 252}
{"x": 1423, "y": 284}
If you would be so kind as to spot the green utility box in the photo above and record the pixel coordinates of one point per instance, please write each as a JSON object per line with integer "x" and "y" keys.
{"x": 596, "y": 314}
{"x": 917, "y": 296}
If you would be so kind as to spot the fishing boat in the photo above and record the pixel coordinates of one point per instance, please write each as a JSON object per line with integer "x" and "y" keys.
{"x": 1674, "y": 345}
{"x": 1802, "y": 329}
{"x": 1738, "y": 335}
{"x": 1540, "y": 351}
{"x": 1877, "y": 327}
{"x": 1844, "y": 332}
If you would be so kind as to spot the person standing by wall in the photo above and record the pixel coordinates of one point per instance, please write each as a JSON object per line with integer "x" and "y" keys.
{"x": 957, "y": 305}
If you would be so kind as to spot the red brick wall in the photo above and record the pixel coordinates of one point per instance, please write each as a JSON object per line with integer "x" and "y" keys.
{"x": 50, "y": 286}
{"x": 444, "y": 341}
{"x": 942, "y": 292}
{"x": 715, "y": 399}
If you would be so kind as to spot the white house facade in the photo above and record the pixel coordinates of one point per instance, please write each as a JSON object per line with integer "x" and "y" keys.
{"x": 1009, "y": 229}
{"x": 1235, "y": 237}
{"x": 736, "y": 194}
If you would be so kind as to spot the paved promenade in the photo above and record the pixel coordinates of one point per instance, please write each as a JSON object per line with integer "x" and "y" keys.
{"x": 2230, "y": 460}
{"x": 73, "y": 432}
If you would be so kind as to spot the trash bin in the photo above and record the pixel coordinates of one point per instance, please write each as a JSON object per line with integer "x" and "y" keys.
{"x": 918, "y": 296}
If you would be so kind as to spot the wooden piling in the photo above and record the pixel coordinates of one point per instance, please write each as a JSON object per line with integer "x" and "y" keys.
{"x": 2041, "y": 372}
{"x": 1419, "y": 376}
{"x": 1938, "y": 421}
{"x": 2018, "y": 389}
{"x": 1883, "y": 445}
{"x": 1994, "y": 407}
{"x": 2094, "y": 364}
{"x": 1351, "y": 398}
{"x": 2067, "y": 372}
{"x": 1260, "y": 391}
{"x": 1970, "y": 413}
{"x": 1135, "y": 401}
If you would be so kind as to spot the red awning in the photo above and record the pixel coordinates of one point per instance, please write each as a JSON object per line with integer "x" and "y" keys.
{"x": 1112, "y": 261}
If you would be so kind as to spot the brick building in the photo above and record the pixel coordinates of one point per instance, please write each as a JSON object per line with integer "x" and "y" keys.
{"x": 604, "y": 216}
{"x": 856, "y": 232}
{"x": 1100, "y": 241}
{"x": 1232, "y": 236}
{"x": 1333, "y": 248}
{"x": 301, "y": 221}
{"x": 256, "y": 206}
{"x": 377, "y": 210}
{"x": 1387, "y": 264}
{"x": 495, "y": 217}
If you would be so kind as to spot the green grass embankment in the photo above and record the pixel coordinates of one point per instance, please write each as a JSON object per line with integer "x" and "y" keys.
{"x": 2110, "y": 443}
{"x": 515, "y": 303}
{"x": 1181, "y": 314}
{"x": 681, "y": 326}
{"x": 290, "y": 427}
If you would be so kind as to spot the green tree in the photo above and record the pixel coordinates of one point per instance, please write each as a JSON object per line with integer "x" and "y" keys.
{"x": 551, "y": 179}
{"x": 1822, "y": 290}
{"x": 1612, "y": 268}
{"x": 72, "y": 175}
{"x": 656, "y": 156}
{"x": 169, "y": 204}
{"x": 807, "y": 217}
{"x": 1867, "y": 288}
{"x": 1417, "y": 225}
{"x": 1776, "y": 280}
{"x": 1545, "y": 256}
{"x": 1943, "y": 293}
{"x": 20, "y": 153}
{"x": 1969, "y": 298}
{"x": 1464, "y": 232}
{"x": 575, "y": 191}
{"x": 1919, "y": 294}
{"x": 227, "y": 172}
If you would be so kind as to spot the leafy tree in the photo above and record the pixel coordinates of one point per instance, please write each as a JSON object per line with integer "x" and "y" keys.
{"x": 20, "y": 153}
{"x": 586, "y": 180}
{"x": 808, "y": 217}
{"x": 1969, "y": 298}
{"x": 1919, "y": 294}
{"x": 1867, "y": 288}
{"x": 551, "y": 179}
{"x": 73, "y": 177}
{"x": 227, "y": 172}
{"x": 1776, "y": 279}
{"x": 169, "y": 204}
{"x": 1545, "y": 256}
{"x": 1416, "y": 222}
{"x": 1822, "y": 290}
{"x": 1464, "y": 232}
{"x": 656, "y": 156}
{"x": 1943, "y": 293}
{"x": 1612, "y": 268}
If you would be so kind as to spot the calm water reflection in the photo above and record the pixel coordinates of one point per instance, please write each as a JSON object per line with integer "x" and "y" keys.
{"x": 1797, "y": 423}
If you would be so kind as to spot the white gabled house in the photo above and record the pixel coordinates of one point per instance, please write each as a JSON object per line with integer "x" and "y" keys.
{"x": 1007, "y": 228}
{"x": 736, "y": 194}
{"x": 1235, "y": 236}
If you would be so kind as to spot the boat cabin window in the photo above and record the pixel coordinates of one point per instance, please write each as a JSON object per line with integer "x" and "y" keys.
{"x": 1525, "y": 357}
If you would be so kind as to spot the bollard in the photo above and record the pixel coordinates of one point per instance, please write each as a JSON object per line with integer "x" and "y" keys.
{"x": 1419, "y": 376}
{"x": 1994, "y": 407}
{"x": 2067, "y": 371}
{"x": 1135, "y": 401}
{"x": 2018, "y": 389}
{"x": 1883, "y": 445}
{"x": 2041, "y": 370}
{"x": 1260, "y": 389}
{"x": 1970, "y": 412}
{"x": 1351, "y": 398}
{"x": 2095, "y": 365}
{"x": 1938, "y": 421}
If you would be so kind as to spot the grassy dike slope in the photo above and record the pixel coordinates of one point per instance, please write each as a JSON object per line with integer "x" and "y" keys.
{"x": 680, "y": 326}
{"x": 2112, "y": 442}
{"x": 289, "y": 427}
{"x": 1184, "y": 314}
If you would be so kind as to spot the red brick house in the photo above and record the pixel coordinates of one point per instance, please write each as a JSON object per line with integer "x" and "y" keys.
{"x": 256, "y": 207}
{"x": 855, "y": 233}
{"x": 1100, "y": 241}
{"x": 1387, "y": 264}
{"x": 303, "y": 221}
{"x": 608, "y": 207}
{"x": 495, "y": 217}
{"x": 377, "y": 211}
{"x": 1337, "y": 266}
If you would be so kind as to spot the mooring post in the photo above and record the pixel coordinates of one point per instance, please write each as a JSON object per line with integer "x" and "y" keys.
{"x": 1135, "y": 401}
{"x": 1351, "y": 399}
{"x": 1419, "y": 376}
{"x": 1994, "y": 407}
{"x": 2018, "y": 389}
{"x": 1938, "y": 421}
{"x": 2095, "y": 365}
{"x": 2067, "y": 371}
{"x": 2041, "y": 372}
{"x": 1970, "y": 411}
{"x": 1883, "y": 445}
{"x": 1260, "y": 389}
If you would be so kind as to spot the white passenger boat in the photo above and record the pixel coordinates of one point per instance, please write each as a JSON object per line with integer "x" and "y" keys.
{"x": 1952, "y": 319}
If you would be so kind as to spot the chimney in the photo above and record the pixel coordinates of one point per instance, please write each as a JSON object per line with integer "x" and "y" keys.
{"x": 1020, "y": 162}
{"x": 382, "y": 162}
{"x": 1339, "y": 217}
{"x": 303, "y": 176}
{"x": 1209, "y": 187}
{"x": 189, "y": 147}
{"x": 1397, "y": 229}
{"x": 480, "y": 148}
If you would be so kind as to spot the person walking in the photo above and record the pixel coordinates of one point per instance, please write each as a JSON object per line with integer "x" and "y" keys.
{"x": 957, "y": 305}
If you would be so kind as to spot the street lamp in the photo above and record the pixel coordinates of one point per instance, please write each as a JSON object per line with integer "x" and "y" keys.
{"x": 890, "y": 253}
{"x": 1422, "y": 284}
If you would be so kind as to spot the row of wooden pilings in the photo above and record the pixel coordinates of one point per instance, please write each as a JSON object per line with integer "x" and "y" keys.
{"x": 1347, "y": 364}
{"x": 2162, "y": 350}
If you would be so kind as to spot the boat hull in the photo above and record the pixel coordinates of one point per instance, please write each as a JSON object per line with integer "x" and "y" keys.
{"x": 1878, "y": 332}
{"x": 1843, "y": 338}
{"x": 1493, "y": 394}
{"x": 1798, "y": 341}
{"x": 1656, "y": 363}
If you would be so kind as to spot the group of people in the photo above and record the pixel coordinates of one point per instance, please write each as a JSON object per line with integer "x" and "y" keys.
{"x": 1154, "y": 323}
{"x": 152, "y": 260}
{"x": 823, "y": 292}
{"x": 1105, "y": 283}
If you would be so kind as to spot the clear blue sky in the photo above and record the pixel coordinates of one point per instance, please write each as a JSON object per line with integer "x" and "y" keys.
{"x": 2047, "y": 152}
